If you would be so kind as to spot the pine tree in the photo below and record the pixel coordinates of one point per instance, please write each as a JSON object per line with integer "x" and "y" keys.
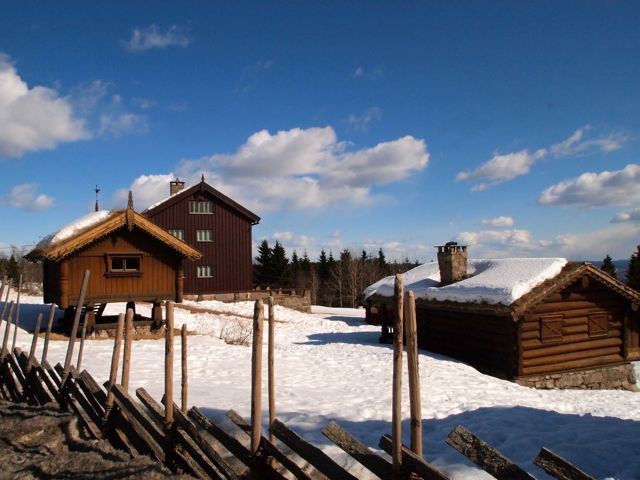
{"x": 382, "y": 262}
{"x": 263, "y": 268}
{"x": 296, "y": 274}
{"x": 609, "y": 267}
{"x": 633, "y": 272}
{"x": 280, "y": 264}
{"x": 13, "y": 269}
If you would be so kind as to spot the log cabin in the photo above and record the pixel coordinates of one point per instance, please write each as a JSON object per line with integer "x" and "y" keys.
{"x": 218, "y": 227}
{"x": 130, "y": 259}
{"x": 542, "y": 322}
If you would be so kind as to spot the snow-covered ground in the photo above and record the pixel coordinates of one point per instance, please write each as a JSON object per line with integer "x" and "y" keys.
{"x": 329, "y": 366}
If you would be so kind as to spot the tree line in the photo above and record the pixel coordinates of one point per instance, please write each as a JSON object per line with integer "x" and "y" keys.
{"x": 13, "y": 264}
{"x": 332, "y": 281}
{"x": 632, "y": 275}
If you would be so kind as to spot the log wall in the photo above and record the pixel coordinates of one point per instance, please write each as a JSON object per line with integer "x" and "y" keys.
{"x": 579, "y": 327}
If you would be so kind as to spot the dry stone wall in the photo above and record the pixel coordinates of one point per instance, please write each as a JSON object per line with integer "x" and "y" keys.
{"x": 618, "y": 377}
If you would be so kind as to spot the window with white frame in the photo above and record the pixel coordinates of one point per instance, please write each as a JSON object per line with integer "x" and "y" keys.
{"x": 203, "y": 271}
{"x": 204, "y": 235}
{"x": 200, "y": 207}
{"x": 177, "y": 232}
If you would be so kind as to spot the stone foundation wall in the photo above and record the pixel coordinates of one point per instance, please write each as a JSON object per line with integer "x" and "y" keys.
{"x": 300, "y": 301}
{"x": 617, "y": 377}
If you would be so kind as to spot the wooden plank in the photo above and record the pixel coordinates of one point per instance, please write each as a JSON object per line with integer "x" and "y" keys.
{"x": 485, "y": 456}
{"x": 9, "y": 381}
{"x": 144, "y": 426}
{"x": 310, "y": 453}
{"x": 567, "y": 357}
{"x": 34, "y": 389}
{"x": 91, "y": 385}
{"x": 239, "y": 421}
{"x": 571, "y": 347}
{"x": 360, "y": 452}
{"x": 412, "y": 463}
{"x": 46, "y": 379}
{"x": 558, "y": 467}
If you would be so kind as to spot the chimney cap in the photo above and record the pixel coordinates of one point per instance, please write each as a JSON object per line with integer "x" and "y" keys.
{"x": 451, "y": 247}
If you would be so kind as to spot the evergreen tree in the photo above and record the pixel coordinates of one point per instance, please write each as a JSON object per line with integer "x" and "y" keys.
{"x": 382, "y": 262}
{"x": 263, "y": 268}
{"x": 609, "y": 267}
{"x": 296, "y": 273}
{"x": 305, "y": 263}
{"x": 633, "y": 272}
{"x": 13, "y": 270}
{"x": 280, "y": 264}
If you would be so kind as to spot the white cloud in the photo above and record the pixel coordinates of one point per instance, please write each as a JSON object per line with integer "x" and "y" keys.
{"x": 122, "y": 124}
{"x": 362, "y": 122}
{"x": 504, "y": 167}
{"x": 34, "y": 118}
{"x": 620, "y": 187}
{"x": 144, "y": 103}
{"x": 373, "y": 73}
{"x": 146, "y": 189}
{"x": 498, "y": 222}
{"x": 301, "y": 168}
{"x": 629, "y": 216}
{"x": 26, "y": 197}
{"x": 153, "y": 37}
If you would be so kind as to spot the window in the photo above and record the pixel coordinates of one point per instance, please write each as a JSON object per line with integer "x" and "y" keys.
{"x": 124, "y": 265}
{"x": 598, "y": 324}
{"x": 551, "y": 327}
{"x": 177, "y": 232}
{"x": 204, "y": 235}
{"x": 200, "y": 207}
{"x": 204, "y": 271}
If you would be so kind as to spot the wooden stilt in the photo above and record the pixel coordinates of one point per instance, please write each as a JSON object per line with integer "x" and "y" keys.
{"x": 256, "y": 377}
{"x": 185, "y": 372}
{"x": 271, "y": 366}
{"x": 396, "y": 415}
{"x": 45, "y": 348}
{"x": 126, "y": 356}
{"x": 414, "y": 373}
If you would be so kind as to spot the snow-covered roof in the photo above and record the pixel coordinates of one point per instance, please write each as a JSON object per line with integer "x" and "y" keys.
{"x": 500, "y": 281}
{"x": 72, "y": 228}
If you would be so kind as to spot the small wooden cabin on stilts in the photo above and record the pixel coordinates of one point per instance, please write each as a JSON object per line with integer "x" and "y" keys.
{"x": 130, "y": 259}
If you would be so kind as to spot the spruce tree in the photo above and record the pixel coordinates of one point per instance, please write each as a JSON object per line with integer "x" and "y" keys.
{"x": 295, "y": 270}
{"x": 633, "y": 272}
{"x": 609, "y": 267}
{"x": 263, "y": 268}
{"x": 13, "y": 270}
{"x": 382, "y": 262}
{"x": 280, "y": 264}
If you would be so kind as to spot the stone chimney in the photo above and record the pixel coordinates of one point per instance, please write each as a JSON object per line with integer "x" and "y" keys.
{"x": 176, "y": 186}
{"x": 452, "y": 260}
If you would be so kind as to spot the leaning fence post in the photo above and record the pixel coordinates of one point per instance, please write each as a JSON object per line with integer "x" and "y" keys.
{"x": 168, "y": 368}
{"x": 414, "y": 373}
{"x": 45, "y": 348}
{"x": 83, "y": 334}
{"x": 17, "y": 322}
{"x": 113, "y": 373}
{"x": 185, "y": 373}
{"x": 396, "y": 400}
{"x": 271, "y": 365}
{"x": 126, "y": 356}
{"x": 74, "y": 328}
{"x": 256, "y": 377}
{"x": 7, "y": 330}
{"x": 6, "y": 298}
{"x": 34, "y": 341}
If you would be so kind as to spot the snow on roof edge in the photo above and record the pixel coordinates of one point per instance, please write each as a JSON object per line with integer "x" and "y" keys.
{"x": 72, "y": 228}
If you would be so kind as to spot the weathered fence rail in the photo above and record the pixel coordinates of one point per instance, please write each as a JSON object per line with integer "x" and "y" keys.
{"x": 188, "y": 441}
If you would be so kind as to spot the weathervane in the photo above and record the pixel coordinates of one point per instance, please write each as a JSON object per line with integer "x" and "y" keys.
{"x": 97, "y": 190}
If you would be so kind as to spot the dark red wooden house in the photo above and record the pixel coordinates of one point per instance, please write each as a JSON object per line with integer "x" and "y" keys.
{"x": 215, "y": 225}
{"x": 130, "y": 259}
{"x": 579, "y": 327}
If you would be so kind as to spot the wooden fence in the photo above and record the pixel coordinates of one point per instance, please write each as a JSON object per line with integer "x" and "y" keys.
{"x": 188, "y": 441}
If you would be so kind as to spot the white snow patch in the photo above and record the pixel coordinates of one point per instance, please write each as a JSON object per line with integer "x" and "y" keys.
{"x": 73, "y": 228}
{"x": 492, "y": 281}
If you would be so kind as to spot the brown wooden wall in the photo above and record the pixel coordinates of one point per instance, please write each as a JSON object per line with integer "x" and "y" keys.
{"x": 229, "y": 255}
{"x": 158, "y": 269}
{"x": 583, "y": 342}
{"x": 486, "y": 342}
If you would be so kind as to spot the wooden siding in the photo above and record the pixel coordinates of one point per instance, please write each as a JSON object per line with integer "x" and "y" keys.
{"x": 484, "y": 341}
{"x": 157, "y": 279}
{"x": 229, "y": 255}
{"x": 578, "y": 311}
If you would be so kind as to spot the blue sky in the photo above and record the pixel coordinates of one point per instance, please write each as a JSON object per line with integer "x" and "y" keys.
{"x": 509, "y": 126}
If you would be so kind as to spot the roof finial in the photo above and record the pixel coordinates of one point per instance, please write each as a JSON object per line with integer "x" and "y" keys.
{"x": 202, "y": 179}
{"x": 97, "y": 190}
{"x": 130, "y": 201}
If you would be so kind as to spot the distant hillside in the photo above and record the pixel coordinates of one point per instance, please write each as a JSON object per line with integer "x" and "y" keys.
{"x": 621, "y": 267}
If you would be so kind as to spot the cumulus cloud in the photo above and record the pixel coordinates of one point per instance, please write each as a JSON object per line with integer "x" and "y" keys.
{"x": 33, "y": 119}
{"x": 144, "y": 39}
{"x": 629, "y": 216}
{"x": 362, "y": 122}
{"x": 620, "y": 187}
{"x": 26, "y": 197}
{"x": 301, "y": 168}
{"x": 122, "y": 124}
{"x": 498, "y": 222}
{"x": 505, "y": 167}
{"x": 146, "y": 189}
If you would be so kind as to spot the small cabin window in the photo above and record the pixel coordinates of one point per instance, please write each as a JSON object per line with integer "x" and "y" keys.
{"x": 200, "y": 207}
{"x": 598, "y": 324}
{"x": 177, "y": 232}
{"x": 204, "y": 235}
{"x": 124, "y": 264}
{"x": 551, "y": 328}
{"x": 203, "y": 271}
